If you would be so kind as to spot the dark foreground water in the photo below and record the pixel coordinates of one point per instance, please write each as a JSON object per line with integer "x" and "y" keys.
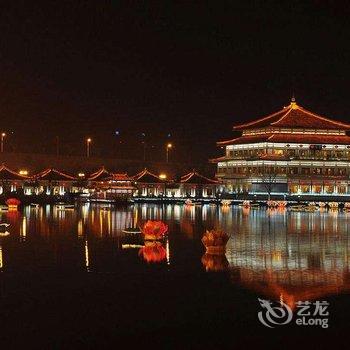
{"x": 71, "y": 279}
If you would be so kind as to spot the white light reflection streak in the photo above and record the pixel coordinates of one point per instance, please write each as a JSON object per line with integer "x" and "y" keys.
{"x": 167, "y": 247}
{"x": 1, "y": 259}
{"x": 87, "y": 260}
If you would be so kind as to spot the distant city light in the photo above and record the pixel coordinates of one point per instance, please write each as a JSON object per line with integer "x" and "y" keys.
{"x": 23, "y": 172}
{"x": 169, "y": 145}
{"x": 162, "y": 176}
{"x": 117, "y": 132}
{"x": 81, "y": 175}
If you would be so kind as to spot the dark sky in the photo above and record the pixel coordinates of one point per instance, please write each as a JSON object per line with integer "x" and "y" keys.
{"x": 192, "y": 69}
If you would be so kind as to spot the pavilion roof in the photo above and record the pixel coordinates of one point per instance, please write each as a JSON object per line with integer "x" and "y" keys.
{"x": 100, "y": 175}
{"x": 294, "y": 116}
{"x": 8, "y": 174}
{"x": 121, "y": 177}
{"x": 52, "y": 174}
{"x": 289, "y": 138}
{"x": 195, "y": 178}
{"x": 147, "y": 177}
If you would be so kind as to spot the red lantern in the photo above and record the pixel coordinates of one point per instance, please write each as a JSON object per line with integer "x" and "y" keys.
{"x": 154, "y": 230}
{"x": 13, "y": 201}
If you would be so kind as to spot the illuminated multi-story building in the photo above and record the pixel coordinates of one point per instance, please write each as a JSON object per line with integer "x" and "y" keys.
{"x": 291, "y": 152}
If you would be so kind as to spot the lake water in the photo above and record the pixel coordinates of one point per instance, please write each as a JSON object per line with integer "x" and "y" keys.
{"x": 71, "y": 278}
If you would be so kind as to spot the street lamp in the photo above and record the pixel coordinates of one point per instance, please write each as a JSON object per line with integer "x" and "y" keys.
{"x": 168, "y": 147}
{"x": 2, "y": 141}
{"x": 144, "y": 145}
{"x": 88, "y": 141}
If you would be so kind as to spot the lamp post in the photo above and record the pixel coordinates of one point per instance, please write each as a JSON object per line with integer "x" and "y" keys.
{"x": 168, "y": 147}
{"x": 3, "y": 135}
{"x": 88, "y": 141}
{"x": 143, "y": 135}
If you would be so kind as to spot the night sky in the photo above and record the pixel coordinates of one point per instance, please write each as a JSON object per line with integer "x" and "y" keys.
{"x": 190, "y": 69}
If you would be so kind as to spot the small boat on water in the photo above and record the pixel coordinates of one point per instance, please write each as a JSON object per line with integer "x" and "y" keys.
{"x": 132, "y": 246}
{"x": 63, "y": 206}
{"x": 189, "y": 202}
{"x": 245, "y": 204}
{"x": 3, "y": 229}
{"x": 226, "y": 202}
{"x": 34, "y": 205}
{"x": 132, "y": 230}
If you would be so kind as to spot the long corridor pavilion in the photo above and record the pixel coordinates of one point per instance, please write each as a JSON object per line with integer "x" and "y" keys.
{"x": 291, "y": 152}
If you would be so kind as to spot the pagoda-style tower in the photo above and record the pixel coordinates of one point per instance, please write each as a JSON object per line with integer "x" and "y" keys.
{"x": 290, "y": 152}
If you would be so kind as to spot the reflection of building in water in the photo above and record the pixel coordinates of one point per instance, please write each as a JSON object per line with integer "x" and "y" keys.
{"x": 303, "y": 259}
{"x": 23, "y": 229}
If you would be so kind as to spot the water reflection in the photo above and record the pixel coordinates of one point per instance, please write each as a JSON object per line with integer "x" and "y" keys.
{"x": 291, "y": 256}
{"x": 276, "y": 253}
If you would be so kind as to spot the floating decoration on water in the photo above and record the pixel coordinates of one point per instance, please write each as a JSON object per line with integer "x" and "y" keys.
{"x": 154, "y": 230}
{"x": 64, "y": 206}
{"x": 271, "y": 204}
{"x": 153, "y": 252}
{"x": 322, "y": 204}
{"x": 4, "y": 208}
{"x": 215, "y": 241}
{"x": 311, "y": 207}
{"x": 215, "y": 262}
{"x": 276, "y": 204}
{"x": 333, "y": 205}
{"x": 189, "y": 202}
{"x": 226, "y": 202}
{"x": 13, "y": 203}
{"x": 347, "y": 206}
{"x": 245, "y": 204}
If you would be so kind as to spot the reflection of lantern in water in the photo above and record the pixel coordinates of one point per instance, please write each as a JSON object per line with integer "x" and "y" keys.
{"x": 215, "y": 262}
{"x": 153, "y": 252}
{"x": 80, "y": 228}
